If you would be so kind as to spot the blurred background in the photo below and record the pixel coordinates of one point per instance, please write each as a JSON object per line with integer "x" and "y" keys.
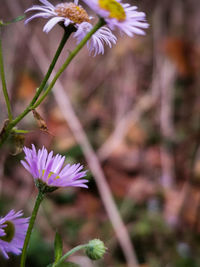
{"x": 139, "y": 106}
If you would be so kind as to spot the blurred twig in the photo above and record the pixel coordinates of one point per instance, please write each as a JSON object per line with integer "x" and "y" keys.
{"x": 144, "y": 103}
{"x": 167, "y": 76}
{"x": 162, "y": 89}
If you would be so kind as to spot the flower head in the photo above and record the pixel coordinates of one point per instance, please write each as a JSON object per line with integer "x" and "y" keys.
{"x": 70, "y": 13}
{"x": 119, "y": 16}
{"x": 12, "y": 232}
{"x": 48, "y": 170}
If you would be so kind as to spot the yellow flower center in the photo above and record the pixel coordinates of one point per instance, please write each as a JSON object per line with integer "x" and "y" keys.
{"x": 73, "y": 12}
{"x": 9, "y": 232}
{"x": 115, "y": 9}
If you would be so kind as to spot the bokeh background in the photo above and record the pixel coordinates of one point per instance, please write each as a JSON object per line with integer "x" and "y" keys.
{"x": 139, "y": 106}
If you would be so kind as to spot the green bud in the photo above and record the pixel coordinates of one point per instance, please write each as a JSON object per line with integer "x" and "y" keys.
{"x": 95, "y": 249}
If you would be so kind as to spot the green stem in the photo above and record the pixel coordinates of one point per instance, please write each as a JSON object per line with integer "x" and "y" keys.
{"x": 34, "y": 105}
{"x": 14, "y": 122}
{"x": 99, "y": 24}
{"x": 4, "y": 87}
{"x": 66, "y": 35}
{"x": 51, "y": 67}
{"x": 30, "y": 227}
{"x": 69, "y": 253}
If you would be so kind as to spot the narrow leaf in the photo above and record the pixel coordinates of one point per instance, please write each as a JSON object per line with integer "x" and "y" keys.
{"x": 19, "y": 18}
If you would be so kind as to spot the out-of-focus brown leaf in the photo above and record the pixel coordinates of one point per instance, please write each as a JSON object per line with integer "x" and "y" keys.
{"x": 57, "y": 126}
{"x": 40, "y": 121}
{"x": 26, "y": 87}
{"x": 180, "y": 52}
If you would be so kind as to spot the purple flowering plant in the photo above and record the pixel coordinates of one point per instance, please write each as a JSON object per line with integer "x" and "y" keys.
{"x": 49, "y": 171}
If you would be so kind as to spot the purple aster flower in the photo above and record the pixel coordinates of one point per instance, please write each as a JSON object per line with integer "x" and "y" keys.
{"x": 120, "y": 16}
{"x": 12, "y": 233}
{"x": 76, "y": 15}
{"x": 49, "y": 171}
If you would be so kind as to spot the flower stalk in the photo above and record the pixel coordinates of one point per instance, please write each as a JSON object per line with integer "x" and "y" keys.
{"x": 14, "y": 122}
{"x": 66, "y": 36}
{"x": 38, "y": 201}
{"x": 99, "y": 24}
{"x": 69, "y": 253}
{"x": 33, "y": 104}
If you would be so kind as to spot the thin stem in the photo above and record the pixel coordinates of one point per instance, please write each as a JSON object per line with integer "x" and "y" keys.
{"x": 51, "y": 67}
{"x": 30, "y": 227}
{"x": 3, "y": 79}
{"x": 14, "y": 122}
{"x": 69, "y": 253}
{"x": 66, "y": 35}
{"x": 99, "y": 24}
{"x": 34, "y": 105}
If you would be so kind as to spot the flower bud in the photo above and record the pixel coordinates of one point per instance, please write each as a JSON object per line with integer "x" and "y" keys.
{"x": 95, "y": 249}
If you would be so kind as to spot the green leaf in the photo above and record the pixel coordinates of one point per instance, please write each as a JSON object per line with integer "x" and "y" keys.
{"x": 58, "y": 247}
{"x": 19, "y": 18}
